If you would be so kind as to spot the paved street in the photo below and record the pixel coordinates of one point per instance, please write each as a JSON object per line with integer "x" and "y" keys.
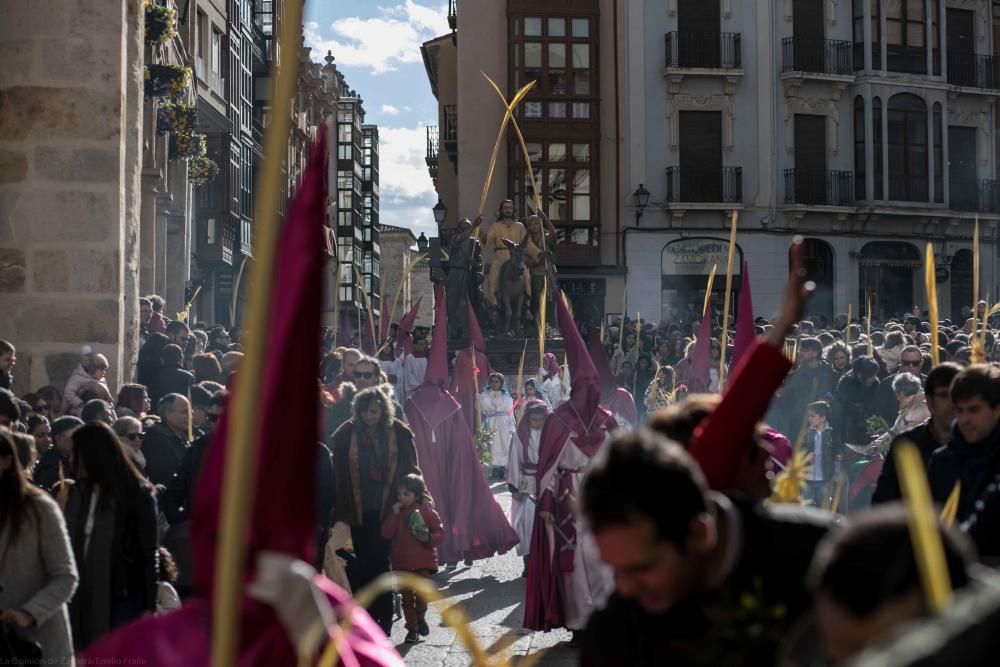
{"x": 492, "y": 593}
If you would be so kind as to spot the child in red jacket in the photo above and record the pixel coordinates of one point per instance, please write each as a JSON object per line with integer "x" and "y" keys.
{"x": 415, "y": 530}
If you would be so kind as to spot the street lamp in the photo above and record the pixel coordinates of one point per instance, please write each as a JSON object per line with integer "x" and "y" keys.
{"x": 440, "y": 212}
{"x": 422, "y": 243}
{"x": 641, "y": 197}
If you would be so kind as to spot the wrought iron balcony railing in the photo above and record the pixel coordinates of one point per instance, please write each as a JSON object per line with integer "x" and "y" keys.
{"x": 704, "y": 50}
{"x": 974, "y": 70}
{"x": 709, "y": 186}
{"x": 822, "y": 56}
{"x": 980, "y": 196}
{"x": 819, "y": 186}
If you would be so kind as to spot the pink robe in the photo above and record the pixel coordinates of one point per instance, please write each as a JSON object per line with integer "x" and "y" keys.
{"x": 475, "y": 525}
{"x": 621, "y": 404}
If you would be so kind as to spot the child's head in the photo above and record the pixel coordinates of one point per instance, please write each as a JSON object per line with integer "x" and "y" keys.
{"x": 819, "y": 414}
{"x": 496, "y": 381}
{"x": 167, "y": 566}
{"x": 536, "y": 418}
{"x": 412, "y": 489}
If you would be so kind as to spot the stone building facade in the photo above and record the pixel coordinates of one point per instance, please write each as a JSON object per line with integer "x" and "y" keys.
{"x": 71, "y": 100}
{"x": 398, "y": 250}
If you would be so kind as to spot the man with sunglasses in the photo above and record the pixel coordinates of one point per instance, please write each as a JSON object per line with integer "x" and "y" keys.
{"x": 886, "y": 405}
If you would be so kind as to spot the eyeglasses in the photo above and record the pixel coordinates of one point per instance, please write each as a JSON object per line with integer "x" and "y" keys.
{"x": 213, "y": 418}
{"x": 363, "y": 376}
{"x": 135, "y": 436}
{"x": 42, "y": 407}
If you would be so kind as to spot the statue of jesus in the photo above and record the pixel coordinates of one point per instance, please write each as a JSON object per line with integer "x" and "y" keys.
{"x": 505, "y": 227}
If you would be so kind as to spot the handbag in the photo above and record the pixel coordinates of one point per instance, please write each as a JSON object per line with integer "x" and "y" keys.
{"x": 17, "y": 649}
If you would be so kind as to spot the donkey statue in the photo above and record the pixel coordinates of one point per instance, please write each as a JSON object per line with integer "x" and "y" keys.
{"x": 510, "y": 290}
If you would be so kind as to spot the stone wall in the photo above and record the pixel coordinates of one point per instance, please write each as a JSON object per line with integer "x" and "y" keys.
{"x": 70, "y": 95}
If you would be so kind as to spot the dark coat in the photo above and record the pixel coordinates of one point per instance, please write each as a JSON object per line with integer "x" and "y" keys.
{"x": 402, "y": 461}
{"x": 120, "y": 562}
{"x": 325, "y": 496}
{"x": 973, "y": 465}
{"x": 164, "y": 450}
{"x": 804, "y": 386}
{"x": 852, "y": 405}
{"x": 887, "y": 490}
{"x": 830, "y": 450}
{"x": 169, "y": 380}
{"x": 46, "y": 474}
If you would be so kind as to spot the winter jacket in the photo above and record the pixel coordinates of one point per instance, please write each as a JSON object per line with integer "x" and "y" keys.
{"x": 169, "y": 380}
{"x": 973, "y": 465}
{"x": 164, "y": 450}
{"x": 885, "y": 403}
{"x": 804, "y": 386}
{"x": 409, "y": 553}
{"x": 75, "y": 385}
{"x": 922, "y": 436}
{"x": 853, "y": 404}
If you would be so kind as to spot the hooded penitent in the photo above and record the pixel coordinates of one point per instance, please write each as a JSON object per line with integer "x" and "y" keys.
{"x": 745, "y": 328}
{"x": 617, "y": 399}
{"x": 583, "y": 423}
{"x": 288, "y": 447}
{"x": 475, "y": 525}
{"x": 470, "y": 373}
{"x": 406, "y": 327}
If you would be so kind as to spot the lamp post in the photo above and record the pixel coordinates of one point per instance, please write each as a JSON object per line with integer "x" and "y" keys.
{"x": 422, "y": 243}
{"x": 440, "y": 212}
{"x": 641, "y": 198}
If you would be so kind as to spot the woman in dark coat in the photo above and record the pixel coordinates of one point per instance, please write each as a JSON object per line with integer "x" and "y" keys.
{"x": 111, "y": 516}
{"x": 372, "y": 453}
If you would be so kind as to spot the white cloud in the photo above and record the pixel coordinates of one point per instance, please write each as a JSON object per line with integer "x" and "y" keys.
{"x": 407, "y": 192}
{"x": 382, "y": 42}
{"x": 390, "y": 110}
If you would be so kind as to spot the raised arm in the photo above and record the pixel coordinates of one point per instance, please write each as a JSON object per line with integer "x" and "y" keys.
{"x": 721, "y": 441}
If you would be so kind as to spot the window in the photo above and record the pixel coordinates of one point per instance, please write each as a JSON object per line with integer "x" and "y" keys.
{"x": 936, "y": 36}
{"x": 565, "y": 186}
{"x": 907, "y": 148}
{"x": 860, "y": 193}
{"x": 938, "y": 156}
{"x": 216, "y": 52}
{"x": 876, "y": 34}
{"x": 906, "y": 41}
{"x": 558, "y": 54}
{"x": 877, "y": 170}
{"x": 200, "y": 29}
{"x": 858, "y": 12}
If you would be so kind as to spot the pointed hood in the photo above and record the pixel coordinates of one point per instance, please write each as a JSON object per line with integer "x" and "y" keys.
{"x": 475, "y": 333}
{"x": 585, "y": 381}
{"x": 603, "y": 364}
{"x": 437, "y": 360}
{"x": 745, "y": 331}
{"x": 406, "y": 327}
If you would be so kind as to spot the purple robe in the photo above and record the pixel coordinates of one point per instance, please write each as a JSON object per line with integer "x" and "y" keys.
{"x": 475, "y": 525}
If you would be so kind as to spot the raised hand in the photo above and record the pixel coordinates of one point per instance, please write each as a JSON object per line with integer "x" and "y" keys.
{"x": 797, "y": 293}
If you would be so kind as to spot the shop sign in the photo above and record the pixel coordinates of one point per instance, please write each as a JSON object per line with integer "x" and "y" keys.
{"x": 696, "y": 256}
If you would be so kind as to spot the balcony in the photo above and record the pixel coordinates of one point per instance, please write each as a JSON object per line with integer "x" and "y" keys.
{"x": 431, "y": 159}
{"x": 704, "y": 50}
{"x": 578, "y": 244}
{"x": 970, "y": 70}
{"x": 819, "y": 187}
{"x": 450, "y": 134}
{"x": 701, "y": 186}
{"x": 817, "y": 56}
{"x": 980, "y": 196}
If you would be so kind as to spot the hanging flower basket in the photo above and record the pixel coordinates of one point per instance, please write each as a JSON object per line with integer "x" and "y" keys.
{"x": 189, "y": 145}
{"x": 176, "y": 117}
{"x": 161, "y": 23}
{"x": 169, "y": 81}
{"x": 201, "y": 170}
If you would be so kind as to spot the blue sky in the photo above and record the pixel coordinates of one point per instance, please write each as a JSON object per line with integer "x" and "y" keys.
{"x": 377, "y": 47}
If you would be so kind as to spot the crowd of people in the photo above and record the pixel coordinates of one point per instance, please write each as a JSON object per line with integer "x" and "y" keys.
{"x": 640, "y": 471}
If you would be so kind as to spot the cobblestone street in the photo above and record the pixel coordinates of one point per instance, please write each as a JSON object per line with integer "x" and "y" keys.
{"x": 492, "y": 593}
